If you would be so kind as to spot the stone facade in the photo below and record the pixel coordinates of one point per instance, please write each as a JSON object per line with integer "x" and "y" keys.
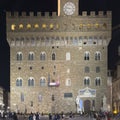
{"x": 56, "y": 58}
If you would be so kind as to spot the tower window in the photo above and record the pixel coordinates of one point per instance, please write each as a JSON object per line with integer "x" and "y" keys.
{"x": 42, "y": 56}
{"x": 31, "y": 81}
{"x": 97, "y": 55}
{"x": 19, "y": 56}
{"x": 31, "y": 56}
{"x": 86, "y": 55}
{"x": 97, "y": 81}
{"x": 19, "y": 82}
{"x": 86, "y": 81}
{"x": 42, "y": 81}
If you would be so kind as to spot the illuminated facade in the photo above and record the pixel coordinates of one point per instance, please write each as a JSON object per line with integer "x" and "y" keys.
{"x": 58, "y": 61}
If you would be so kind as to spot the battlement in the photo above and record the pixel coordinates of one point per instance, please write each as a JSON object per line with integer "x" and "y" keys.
{"x": 54, "y": 14}
{"x": 98, "y": 14}
{"x": 31, "y": 14}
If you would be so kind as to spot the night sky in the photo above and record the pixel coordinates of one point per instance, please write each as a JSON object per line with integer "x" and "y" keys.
{"x": 43, "y": 5}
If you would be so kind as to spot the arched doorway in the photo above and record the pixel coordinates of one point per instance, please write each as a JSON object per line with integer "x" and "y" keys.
{"x": 87, "y": 105}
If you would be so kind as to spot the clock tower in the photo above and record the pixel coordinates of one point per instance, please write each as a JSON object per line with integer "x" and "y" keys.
{"x": 68, "y": 7}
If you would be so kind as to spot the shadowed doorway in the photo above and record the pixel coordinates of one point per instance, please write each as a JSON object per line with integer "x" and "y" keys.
{"x": 87, "y": 105}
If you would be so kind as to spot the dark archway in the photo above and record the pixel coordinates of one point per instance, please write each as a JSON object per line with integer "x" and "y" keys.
{"x": 87, "y": 105}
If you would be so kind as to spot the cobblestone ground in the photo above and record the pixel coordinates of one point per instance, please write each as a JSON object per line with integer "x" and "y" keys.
{"x": 46, "y": 118}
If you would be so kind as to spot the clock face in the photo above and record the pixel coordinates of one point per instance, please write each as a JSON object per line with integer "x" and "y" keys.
{"x": 69, "y": 8}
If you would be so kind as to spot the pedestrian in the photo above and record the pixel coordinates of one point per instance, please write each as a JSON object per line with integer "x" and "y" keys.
{"x": 95, "y": 116}
{"x": 34, "y": 116}
{"x": 15, "y": 116}
{"x": 50, "y": 116}
{"x": 30, "y": 117}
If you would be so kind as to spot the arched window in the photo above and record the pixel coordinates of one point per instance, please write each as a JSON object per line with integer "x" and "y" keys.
{"x": 19, "y": 82}
{"x": 86, "y": 55}
{"x": 19, "y": 56}
{"x": 31, "y": 56}
{"x": 97, "y": 55}
{"x": 31, "y": 81}
{"x": 42, "y": 81}
{"x": 86, "y": 81}
{"x": 42, "y": 56}
{"x": 97, "y": 81}
{"x": 53, "y": 56}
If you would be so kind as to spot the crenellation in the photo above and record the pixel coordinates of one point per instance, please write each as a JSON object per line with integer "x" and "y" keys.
{"x": 54, "y": 14}
{"x": 23, "y": 14}
{"x": 100, "y": 13}
{"x": 92, "y": 13}
{"x": 39, "y": 14}
{"x": 31, "y": 14}
{"x": 8, "y": 14}
{"x": 16, "y": 14}
{"x": 47, "y": 14}
{"x": 109, "y": 13}
{"x": 84, "y": 13}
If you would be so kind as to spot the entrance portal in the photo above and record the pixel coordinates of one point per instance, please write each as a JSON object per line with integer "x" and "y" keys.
{"x": 87, "y": 105}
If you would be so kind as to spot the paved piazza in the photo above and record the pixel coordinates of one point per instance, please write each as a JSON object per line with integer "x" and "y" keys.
{"x": 67, "y": 118}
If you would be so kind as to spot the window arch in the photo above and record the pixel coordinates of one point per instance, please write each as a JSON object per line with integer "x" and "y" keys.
{"x": 53, "y": 56}
{"x": 86, "y": 81}
{"x": 42, "y": 81}
{"x": 97, "y": 81}
{"x": 97, "y": 55}
{"x": 19, "y": 56}
{"x": 42, "y": 56}
{"x": 31, "y": 56}
{"x": 31, "y": 81}
{"x": 19, "y": 82}
{"x": 87, "y": 55}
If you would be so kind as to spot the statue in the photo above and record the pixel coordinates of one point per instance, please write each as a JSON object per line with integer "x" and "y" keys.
{"x": 104, "y": 103}
{"x": 79, "y": 104}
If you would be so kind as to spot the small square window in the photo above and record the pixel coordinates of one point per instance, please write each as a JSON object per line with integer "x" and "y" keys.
{"x": 68, "y": 95}
{"x": 19, "y": 68}
{"x": 42, "y": 67}
{"x": 30, "y": 67}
